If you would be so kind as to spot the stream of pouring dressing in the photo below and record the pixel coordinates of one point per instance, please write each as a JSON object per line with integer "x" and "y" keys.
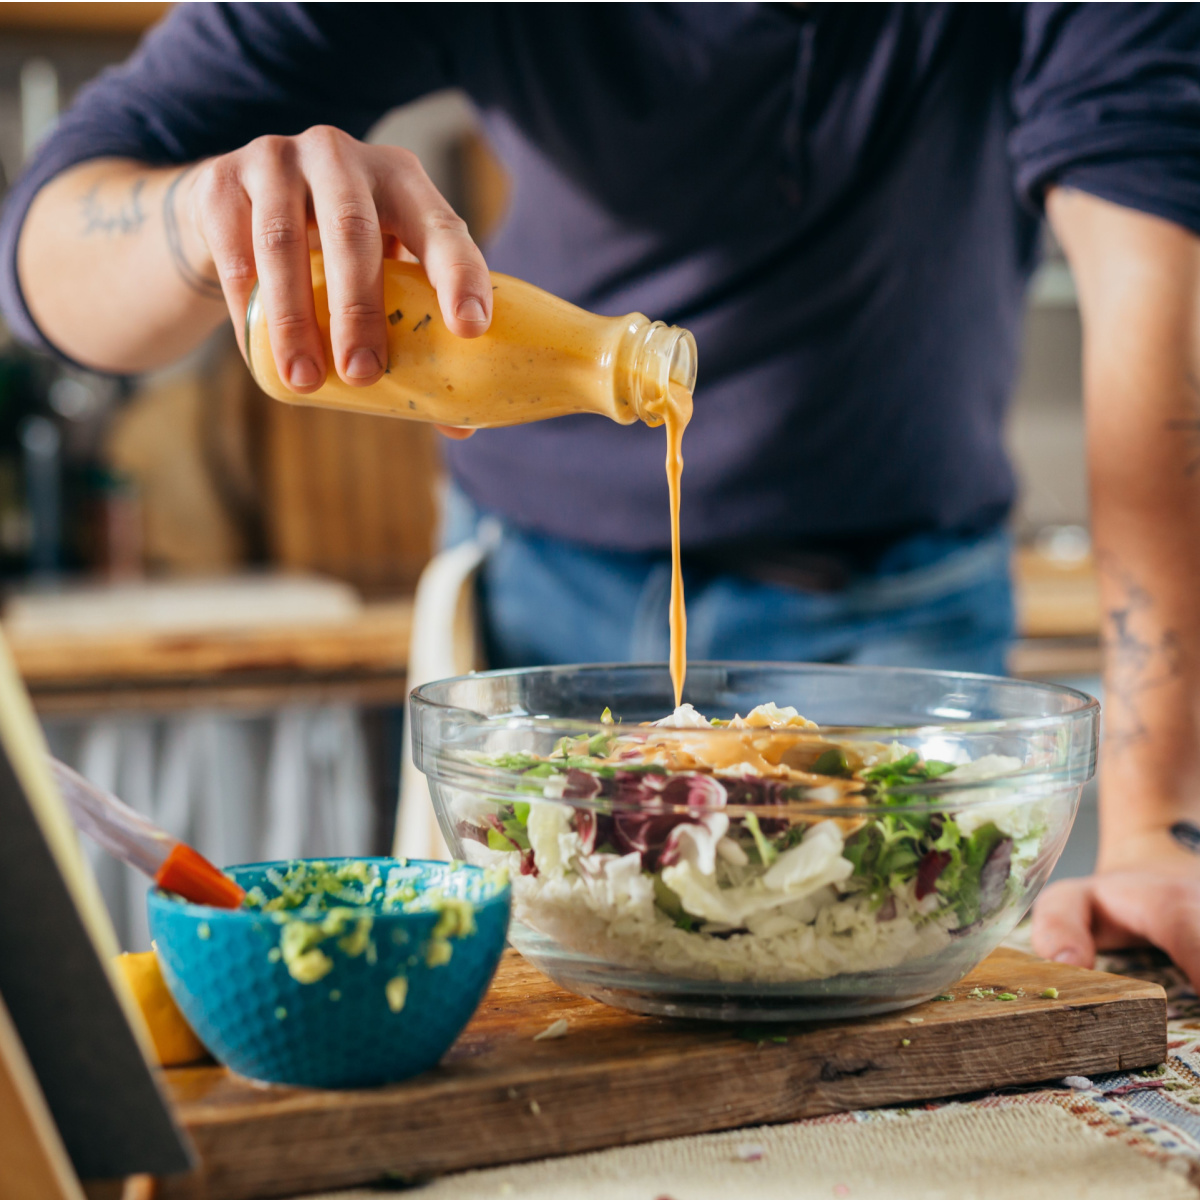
{"x": 676, "y": 412}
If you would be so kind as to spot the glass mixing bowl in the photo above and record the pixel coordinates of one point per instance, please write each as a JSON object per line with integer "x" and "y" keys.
{"x": 763, "y": 873}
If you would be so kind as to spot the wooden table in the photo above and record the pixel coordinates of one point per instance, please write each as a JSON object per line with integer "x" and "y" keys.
{"x": 361, "y": 660}
{"x": 617, "y": 1079}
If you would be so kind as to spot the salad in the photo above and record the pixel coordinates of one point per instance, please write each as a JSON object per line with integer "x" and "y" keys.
{"x": 709, "y": 857}
{"x": 320, "y": 908}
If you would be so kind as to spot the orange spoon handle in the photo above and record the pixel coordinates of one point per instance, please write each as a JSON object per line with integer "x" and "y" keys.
{"x": 190, "y": 875}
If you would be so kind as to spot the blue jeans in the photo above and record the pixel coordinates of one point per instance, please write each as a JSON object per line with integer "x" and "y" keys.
{"x": 549, "y": 601}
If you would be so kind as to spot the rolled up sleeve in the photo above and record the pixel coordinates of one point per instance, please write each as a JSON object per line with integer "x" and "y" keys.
{"x": 1106, "y": 99}
{"x": 212, "y": 77}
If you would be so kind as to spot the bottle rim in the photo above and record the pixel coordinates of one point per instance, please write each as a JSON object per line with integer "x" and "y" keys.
{"x": 661, "y": 355}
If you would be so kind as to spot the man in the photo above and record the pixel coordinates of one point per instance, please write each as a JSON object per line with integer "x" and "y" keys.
{"x": 839, "y": 201}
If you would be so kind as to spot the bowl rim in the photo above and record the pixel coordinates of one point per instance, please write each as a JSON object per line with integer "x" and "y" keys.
{"x": 1088, "y": 706}
{"x": 158, "y": 896}
{"x": 932, "y": 793}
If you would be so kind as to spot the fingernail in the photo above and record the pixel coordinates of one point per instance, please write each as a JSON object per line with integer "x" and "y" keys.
{"x": 470, "y": 310}
{"x": 1070, "y": 957}
{"x": 362, "y": 364}
{"x": 303, "y": 373}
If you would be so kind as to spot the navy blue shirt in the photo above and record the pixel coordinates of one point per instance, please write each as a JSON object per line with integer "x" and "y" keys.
{"x": 840, "y": 201}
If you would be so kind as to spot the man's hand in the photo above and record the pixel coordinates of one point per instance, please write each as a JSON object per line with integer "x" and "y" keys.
{"x": 253, "y": 209}
{"x": 127, "y": 267}
{"x": 1156, "y": 905}
{"x": 1138, "y": 279}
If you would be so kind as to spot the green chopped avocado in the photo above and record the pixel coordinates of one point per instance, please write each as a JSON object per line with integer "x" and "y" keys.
{"x": 314, "y": 886}
{"x": 396, "y": 991}
{"x": 320, "y": 908}
{"x": 456, "y": 919}
{"x": 496, "y": 876}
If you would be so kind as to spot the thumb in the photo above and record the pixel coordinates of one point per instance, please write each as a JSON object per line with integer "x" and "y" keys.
{"x": 1062, "y": 923}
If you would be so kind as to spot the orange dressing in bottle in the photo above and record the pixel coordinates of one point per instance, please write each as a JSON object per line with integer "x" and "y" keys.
{"x": 541, "y": 357}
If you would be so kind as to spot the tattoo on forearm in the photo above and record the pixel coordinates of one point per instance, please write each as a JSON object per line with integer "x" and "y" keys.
{"x": 209, "y": 288}
{"x": 1140, "y": 655}
{"x": 1190, "y": 426}
{"x": 127, "y": 218}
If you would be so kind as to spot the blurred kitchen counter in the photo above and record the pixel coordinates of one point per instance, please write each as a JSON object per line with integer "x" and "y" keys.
{"x": 94, "y": 18}
{"x": 250, "y": 643}
{"x": 1058, "y": 616}
{"x": 263, "y": 642}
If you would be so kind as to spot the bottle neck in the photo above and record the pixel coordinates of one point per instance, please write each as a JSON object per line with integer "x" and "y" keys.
{"x": 652, "y": 357}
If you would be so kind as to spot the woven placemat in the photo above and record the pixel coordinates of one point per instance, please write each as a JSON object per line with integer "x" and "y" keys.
{"x": 1035, "y": 1153}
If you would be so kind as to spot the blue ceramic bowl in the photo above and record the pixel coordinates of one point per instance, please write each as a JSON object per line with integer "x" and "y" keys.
{"x": 338, "y": 1001}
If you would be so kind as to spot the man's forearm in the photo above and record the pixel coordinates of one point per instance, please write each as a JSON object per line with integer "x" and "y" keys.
{"x": 112, "y": 269}
{"x": 1139, "y": 285}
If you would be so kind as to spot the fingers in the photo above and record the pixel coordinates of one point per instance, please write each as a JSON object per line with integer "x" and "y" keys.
{"x": 220, "y": 212}
{"x": 1113, "y": 911}
{"x": 418, "y": 213}
{"x": 353, "y": 246}
{"x": 1062, "y": 923}
{"x": 1158, "y": 908}
{"x": 279, "y": 227}
{"x": 1181, "y": 939}
{"x": 457, "y": 432}
{"x": 252, "y": 209}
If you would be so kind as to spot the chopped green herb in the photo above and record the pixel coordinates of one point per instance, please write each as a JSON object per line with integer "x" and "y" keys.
{"x": 518, "y": 761}
{"x": 832, "y": 762}
{"x": 766, "y": 851}
{"x": 600, "y": 744}
{"x": 760, "y": 1035}
{"x": 1050, "y": 994}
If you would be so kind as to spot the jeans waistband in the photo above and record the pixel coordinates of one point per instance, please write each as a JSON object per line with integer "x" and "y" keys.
{"x": 908, "y": 562}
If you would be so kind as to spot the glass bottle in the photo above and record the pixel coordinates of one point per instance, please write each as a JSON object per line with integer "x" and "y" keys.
{"x": 541, "y": 357}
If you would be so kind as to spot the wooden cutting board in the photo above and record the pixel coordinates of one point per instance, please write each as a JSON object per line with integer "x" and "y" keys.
{"x": 616, "y": 1078}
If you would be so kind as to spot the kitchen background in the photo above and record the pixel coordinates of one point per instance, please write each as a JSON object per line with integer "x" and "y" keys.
{"x": 208, "y": 592}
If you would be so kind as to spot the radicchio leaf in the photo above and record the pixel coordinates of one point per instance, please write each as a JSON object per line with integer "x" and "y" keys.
{"x": 471, "y": 831}
{"x": 930, "y": 868}
{"x": 585, "y": 827}
{"x": 643, "y": 822}
{"x": 581, "y": 785}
